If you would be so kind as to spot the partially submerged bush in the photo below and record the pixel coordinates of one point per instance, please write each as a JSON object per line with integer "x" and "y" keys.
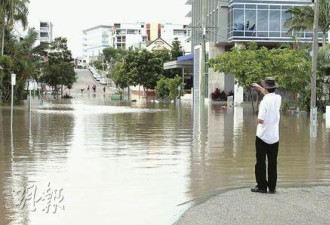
{"x": 170, "y": 89}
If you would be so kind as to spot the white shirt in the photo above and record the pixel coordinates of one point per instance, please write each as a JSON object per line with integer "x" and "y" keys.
{"x": 269, "y": 112}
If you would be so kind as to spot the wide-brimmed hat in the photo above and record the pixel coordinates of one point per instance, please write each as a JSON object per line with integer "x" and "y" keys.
{"x": 269, "y": 83}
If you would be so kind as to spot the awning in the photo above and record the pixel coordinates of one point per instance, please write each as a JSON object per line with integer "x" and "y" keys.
{"x": 185, "y": 57}
{"x": 186, "y": 61}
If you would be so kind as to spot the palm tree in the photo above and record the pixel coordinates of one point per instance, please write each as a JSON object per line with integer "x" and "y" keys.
{"x": 303, "y": 18}
{"x": 21, "y": 58}
{"x": 11, "y": 11}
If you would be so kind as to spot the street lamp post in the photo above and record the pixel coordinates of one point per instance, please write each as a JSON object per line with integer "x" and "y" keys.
{"x": 313, "y": 112}
{"x": 13, "y": 83}
{"x": 0, "y": 86}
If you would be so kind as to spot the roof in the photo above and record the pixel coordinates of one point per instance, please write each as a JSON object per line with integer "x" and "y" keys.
{"x": 97, "y": 27}
{"x": 158, "y": 40}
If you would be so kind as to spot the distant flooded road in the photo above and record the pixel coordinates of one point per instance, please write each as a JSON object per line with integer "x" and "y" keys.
{"x": 88, "y": 160}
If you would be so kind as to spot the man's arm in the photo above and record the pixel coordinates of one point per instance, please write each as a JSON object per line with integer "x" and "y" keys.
{"x": 257, "y": 87}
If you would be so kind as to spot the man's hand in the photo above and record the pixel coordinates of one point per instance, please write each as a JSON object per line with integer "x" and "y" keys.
{"x": 260, "y": 121}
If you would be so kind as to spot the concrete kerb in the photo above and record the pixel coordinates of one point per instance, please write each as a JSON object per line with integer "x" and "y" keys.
{"x": 210, "y": 210}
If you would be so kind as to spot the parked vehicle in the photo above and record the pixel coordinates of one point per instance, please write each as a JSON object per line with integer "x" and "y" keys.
{"x": 96, "y": 75}
{"x": 103, "y": 81}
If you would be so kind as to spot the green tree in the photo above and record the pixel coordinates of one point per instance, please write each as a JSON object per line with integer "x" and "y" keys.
{"x": 161, "y": 89}
{"x": 98, "y": 64}
{"x": 165, "y": 56}
{"x": 120, "y": 76}
{"x": 175, "y": 87}
{"x": 176, "y": 50}
{"x": 170, "y": 88}
{"x": 303, "y": 18}
{"x": 290, "y": 67}
{"x": 58, "y": 71}
{"x": 23, "y": 59}
{"x": 322, "y": 81}
{"x": 11, "y": 11}
{"x": 114, "y": 55}
{"x": 144, "y": 68}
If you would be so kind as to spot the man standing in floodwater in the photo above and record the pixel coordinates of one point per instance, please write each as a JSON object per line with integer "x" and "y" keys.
{"x": 267, "y": 139}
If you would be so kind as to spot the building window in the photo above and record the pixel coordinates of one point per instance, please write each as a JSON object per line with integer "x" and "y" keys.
{"x": 132, "y": 31}
{"x": 262, "y": 23}
{"x": 267, "y": 21}
{"x": 274, "y": 23}
{"x": 238, "y": 22}
{"x": 44, "y": 35}
{"x": 42, "y": 24}
{"x": 121, "y": 39}
{"x": 178, "y": 32}
{"x": 285, "y": 17}
{"x": 250, "y": 22}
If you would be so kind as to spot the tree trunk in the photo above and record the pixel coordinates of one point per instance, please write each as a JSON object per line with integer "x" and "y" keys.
{"x": 146, "y": 91}
{"x": 128, "y": 94}
{"x": 258, "y": 102}
{"x": 324, "y": 38}
{"x": 3, "y": 35}
{"x": 252, "y": 100}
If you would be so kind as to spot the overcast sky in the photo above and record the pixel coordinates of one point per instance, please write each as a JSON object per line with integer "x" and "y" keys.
{"x": 70, "y": 17}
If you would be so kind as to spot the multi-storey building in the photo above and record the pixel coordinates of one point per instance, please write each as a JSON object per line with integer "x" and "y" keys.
{"x": 234, "y": 23}
{"x": 126, "y": 35}
{"x": 95, "y": 39}
{"x": 136, "y": 35}
{"x": 169, "y": 32}
{"x": 45, "y": 30}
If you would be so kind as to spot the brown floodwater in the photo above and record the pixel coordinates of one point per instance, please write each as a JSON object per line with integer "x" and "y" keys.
{"x": 99, "y": 162}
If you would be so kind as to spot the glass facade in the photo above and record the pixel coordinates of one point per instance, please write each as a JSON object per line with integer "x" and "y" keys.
{"x": 249, "y": 21}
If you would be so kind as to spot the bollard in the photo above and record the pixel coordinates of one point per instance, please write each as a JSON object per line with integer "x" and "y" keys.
{"x": 230, "y": 101}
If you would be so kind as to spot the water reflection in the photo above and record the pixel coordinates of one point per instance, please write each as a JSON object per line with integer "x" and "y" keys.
{"x": 141, "y": 163}
{"x": 31, "y": 152}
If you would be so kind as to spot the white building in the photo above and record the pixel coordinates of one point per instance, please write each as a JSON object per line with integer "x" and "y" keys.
{"x": 169, "y": 32}
{"x": 95, "y": 39}
{"x": 19, "y": 32}
{"x": 126, "y": 35}
{"x": 45, "y": 32}
{"x": 136, "y": 35}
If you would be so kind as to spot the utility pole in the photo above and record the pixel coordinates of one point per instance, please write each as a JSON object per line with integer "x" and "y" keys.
{"x": 313, "y": 112}
{"x": 203, "y": 58}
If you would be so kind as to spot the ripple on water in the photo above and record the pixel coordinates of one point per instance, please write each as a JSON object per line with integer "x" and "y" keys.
{"x": 92, "y": 109}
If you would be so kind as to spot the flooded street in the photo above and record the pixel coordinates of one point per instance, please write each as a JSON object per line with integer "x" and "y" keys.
{"x": 138, "y": 163}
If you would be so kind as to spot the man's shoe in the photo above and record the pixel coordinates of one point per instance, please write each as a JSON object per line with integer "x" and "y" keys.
{"x": 272, "y": 191}
{"x": 256, "y": 189}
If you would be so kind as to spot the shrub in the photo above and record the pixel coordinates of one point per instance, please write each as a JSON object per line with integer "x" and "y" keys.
{"x": 168, "y": 88}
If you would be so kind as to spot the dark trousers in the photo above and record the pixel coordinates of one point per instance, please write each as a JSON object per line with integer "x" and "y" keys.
{"x": 271, "y": 150}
